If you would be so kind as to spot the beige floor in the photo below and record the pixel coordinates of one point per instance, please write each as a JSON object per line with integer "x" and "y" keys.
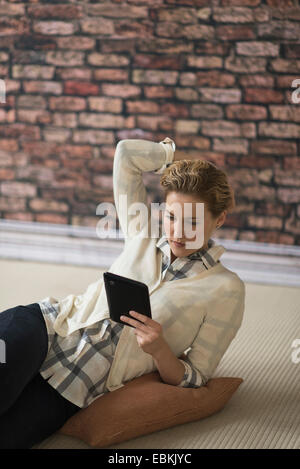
{"x": 263, "y": 413}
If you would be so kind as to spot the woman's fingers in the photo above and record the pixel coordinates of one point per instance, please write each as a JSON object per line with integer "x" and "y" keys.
{"x": 133, "y": 322}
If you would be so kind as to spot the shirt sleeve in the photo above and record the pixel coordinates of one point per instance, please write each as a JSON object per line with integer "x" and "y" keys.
{"x": 132, "y": 158}
{"x": 216, "y": 333}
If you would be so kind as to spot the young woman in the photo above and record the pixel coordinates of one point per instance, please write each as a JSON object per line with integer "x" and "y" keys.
{"x": 61, "y": 355}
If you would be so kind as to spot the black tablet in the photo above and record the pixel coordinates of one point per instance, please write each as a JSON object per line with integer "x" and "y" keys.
{"x": 125, "y": 294}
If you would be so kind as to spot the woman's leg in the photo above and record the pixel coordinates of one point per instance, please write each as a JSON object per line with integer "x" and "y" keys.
{"x": 38, "y": 413}
{"x": 24, "y": 333}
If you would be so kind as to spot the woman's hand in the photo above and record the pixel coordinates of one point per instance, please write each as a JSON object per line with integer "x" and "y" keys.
{"x": 149, "y": 333}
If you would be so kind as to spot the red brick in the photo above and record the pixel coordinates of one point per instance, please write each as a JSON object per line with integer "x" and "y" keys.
{"x": 154, "y": 123}
{"x": 13, "y": 26}
{"x": 12, "y": 203}
{"x": 286, "y": 177}
{"x": 123, "y": 91}
{"x": 130, "y": 28}
{"x": 12, "y": 10}
{"x": 194, "y": 3}
{"x": 55, "y": 28}
{"x": 55, "y": 11}
{"x": 276, "y": 147}
{"x": 207, "y": 111}
{"x": 41, "y": 205}
{"x": 220, "y": 128}
{"x": 65, "y": 58}
{"x": 51, "y": 218}
{"x": 285, "y": 113}
{"x": 178, "y": 15}
{"x": 104, "y": 104}
{"x": 232, "y": 145}
{"x": 20, "y": 131}
{"x": 285, "y": 81}
{"x": 233, "y": 15}
{"x": 204, "y": 62}
{"x": 74, "y": 151}
{"x": 105, "y": 121}
{"x": 67, "y": 103}
{"x": 43, "y": 87}
{"x": 32, "y": 101}
{"x": 287, "y": 30}
{"x": 97, "y": 26}
{"x": 211, "y": 48}
{"x": 142, "y": 107}
{"x": 285, "y": 66}
{"x": 108, "y": 60}
{"x": 158, "y": 92}
{"x": 235, "y": 32}
{"x": 110, "y": 10}
{"x": 279, "y": 130}
{"x": 274, "y": 223}
{"x": 76, "y": 42}
{"x": 215, "y": 79}
{"x": 263, "y": 95}
{"x": 8, "y": 144}
{"x": 186, "y": 94}
{"x": 6, "y": 173}
{"x": 81, "y": 88}
{"x": 93, "y": 136}
{"x": 18, "y": 189}
{"x": 257, "y": 48}
{"x": 7, "y": 116}
{"x": 220, "y": 95}
{"x": 192, "y": 141}
{"x": 187, "y": 127}
{"x": 291, "y": 163}
{"x": 261, "y": 81}
{"x": 54, "y": 134}
{"x": 246, "y": 112}
{"x": 156, "y": 62}
{"x": 175, "y": 110}
{"x": 244, "y": 64}
{"x": 74, "y": 73}
{"x": 44, "y": 72}
{"x": 288, "y": 195}
{"x": 65, "y": 119}
{"x": 164, "y": 46}
{"x": 18, "y": 216}
{"x": 155, "y": 77}
{"x": 190, "y": 31}
{"x": 110, "y": 74}
{"x": 248, "y": 3}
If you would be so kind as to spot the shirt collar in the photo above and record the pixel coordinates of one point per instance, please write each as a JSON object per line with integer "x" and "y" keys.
{"x": 209, "y": 256}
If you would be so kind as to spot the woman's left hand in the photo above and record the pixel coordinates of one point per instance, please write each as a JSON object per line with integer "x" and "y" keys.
{"x": 148, "y": 332}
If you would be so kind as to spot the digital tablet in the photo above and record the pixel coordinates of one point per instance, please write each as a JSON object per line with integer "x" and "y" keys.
{"x": 125, "y": 294}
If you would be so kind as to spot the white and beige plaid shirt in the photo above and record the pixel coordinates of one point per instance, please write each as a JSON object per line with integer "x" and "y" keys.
{"x": 89, "y": 370}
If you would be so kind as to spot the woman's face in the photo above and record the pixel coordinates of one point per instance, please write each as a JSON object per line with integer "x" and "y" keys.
{"x": 184, "y": 225}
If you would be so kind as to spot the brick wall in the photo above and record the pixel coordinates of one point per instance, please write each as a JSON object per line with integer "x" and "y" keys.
{"x": 215, "y": 76}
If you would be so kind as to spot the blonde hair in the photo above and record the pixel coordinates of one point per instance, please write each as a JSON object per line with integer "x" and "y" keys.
{"x": 203, "y": 180}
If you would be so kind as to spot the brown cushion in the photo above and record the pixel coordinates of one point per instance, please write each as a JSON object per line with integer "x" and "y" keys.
{"x": 144, "y": 405}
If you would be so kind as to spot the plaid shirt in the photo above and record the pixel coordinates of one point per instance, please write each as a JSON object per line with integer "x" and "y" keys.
{"x": 78, "y": 365}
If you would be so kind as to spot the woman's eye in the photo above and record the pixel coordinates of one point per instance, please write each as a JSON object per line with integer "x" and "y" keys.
{"x": 194, "y": 223}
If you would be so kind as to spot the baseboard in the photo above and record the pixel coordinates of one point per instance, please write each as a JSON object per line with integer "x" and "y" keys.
{"x": 261, "y": 263}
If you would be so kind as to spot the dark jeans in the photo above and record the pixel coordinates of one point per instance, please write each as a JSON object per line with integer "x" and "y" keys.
{"x": 30, "y": 409}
